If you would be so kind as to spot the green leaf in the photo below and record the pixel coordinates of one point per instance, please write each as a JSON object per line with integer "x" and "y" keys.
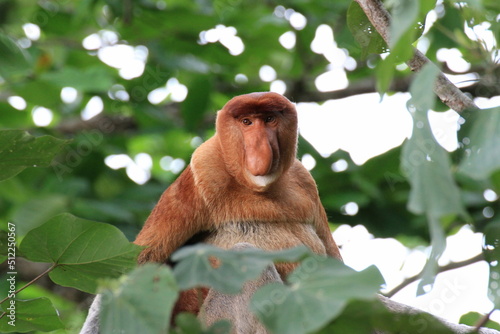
{"x": 82, "y": 251}
{"x": 434, "y": 192}
{"x": 37, "y": 211}
{"x": 187, "y": 323}
{"x": 143, "y": 303}
{"x": 195, "y": 269}
{"x": 428, "y": 168}
{"x": 14, "y": 60}
{"x": 404, "y": 15}
{"x": 194, "y": 108}
{"x": 421, "y": 88}
{"x": 39, "y": 92}
{"x": 472, "y": 318}
{"x": 90, "y": 79}
{"x": 385, "y": 73}
{"x": 30, "y": 315}
{"x": 363, "y": 31}
{"x": 320, "y": 289}
{"x": 427, "y": 165}
{"x": 19, "y": 150}
{"x": 482, "y": 151}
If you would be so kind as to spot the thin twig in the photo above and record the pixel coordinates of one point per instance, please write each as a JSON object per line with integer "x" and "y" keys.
{"x": 449, "y": 266}
{"x": 444, "y": 88}
{"x": 484, "y": 320}
{"x": 30, "y": 282}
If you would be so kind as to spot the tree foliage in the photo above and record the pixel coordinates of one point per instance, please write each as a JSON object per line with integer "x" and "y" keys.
{"x": 101, "y": 139}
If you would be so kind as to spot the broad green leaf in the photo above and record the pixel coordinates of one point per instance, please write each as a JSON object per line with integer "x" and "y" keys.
{"x": 13, "y": 60}
{"x": 91, "y": 79}
{"x": 195, "y": 269}
{"x": 491, "y": 252}
{"x": 363, "y": 31}
{"x": 482, "y": 149}
{"x": 30, "y": 315}
{"x": 320, "y": 289}
{"x": 141, "y": 304}
{"x": 82, "y": 251}
{"x": 19, "y": 150}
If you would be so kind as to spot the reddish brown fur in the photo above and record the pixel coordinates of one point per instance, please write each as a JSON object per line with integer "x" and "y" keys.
{"x": 216, "y": 192}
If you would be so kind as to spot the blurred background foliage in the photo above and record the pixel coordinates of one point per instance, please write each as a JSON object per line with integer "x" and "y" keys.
{"x": 134, "y": 121}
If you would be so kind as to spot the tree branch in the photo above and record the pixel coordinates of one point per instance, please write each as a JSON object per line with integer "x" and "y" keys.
{"x": 444, "y": 89}
{"x": 449, "y": 266}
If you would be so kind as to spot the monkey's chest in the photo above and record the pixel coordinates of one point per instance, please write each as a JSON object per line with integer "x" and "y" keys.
{"x": 291, "y": 206}
{"x": 266, "y": 236}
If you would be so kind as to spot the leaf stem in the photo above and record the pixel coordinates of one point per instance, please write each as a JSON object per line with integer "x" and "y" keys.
{"x": 484, "y": 320}
{"x": 29, "y": 283}
{"x": 449, "y": 266}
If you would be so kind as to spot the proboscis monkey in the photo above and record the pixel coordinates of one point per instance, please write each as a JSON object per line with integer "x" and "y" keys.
{"x": 243, "y": 185}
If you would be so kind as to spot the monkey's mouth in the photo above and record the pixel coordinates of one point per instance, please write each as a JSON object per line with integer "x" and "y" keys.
{"x": 262, "y": 180}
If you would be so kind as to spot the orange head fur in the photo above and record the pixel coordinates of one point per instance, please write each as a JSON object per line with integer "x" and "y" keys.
{"x": 258, "y": 137}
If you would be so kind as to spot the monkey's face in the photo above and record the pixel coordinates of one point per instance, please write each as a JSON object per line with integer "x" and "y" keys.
{"x": 258, "y": 134}
{"x": 260, "y": 146}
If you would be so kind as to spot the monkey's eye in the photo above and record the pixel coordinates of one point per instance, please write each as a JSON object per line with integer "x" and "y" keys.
{"x": 246, "y": 121}
{"x": 270, "y": 119}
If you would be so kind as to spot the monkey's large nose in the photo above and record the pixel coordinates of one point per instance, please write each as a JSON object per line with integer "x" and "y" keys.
{"x": 258, "y": 155}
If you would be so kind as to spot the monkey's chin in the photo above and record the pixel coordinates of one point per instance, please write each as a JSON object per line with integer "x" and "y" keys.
{"x": 262, "y": 182}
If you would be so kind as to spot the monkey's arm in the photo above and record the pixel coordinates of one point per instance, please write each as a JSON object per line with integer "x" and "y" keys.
{"x": 173, "y": 221}
{"x": 324, "y": 233}
{"x": 307, "y": 183}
